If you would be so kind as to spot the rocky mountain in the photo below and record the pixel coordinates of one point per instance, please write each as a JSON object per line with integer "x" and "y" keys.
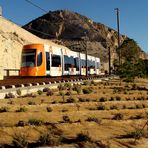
{"x": 78, "y": 33}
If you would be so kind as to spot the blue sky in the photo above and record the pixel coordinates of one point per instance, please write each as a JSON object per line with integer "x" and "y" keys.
{"x": 133, "y": 14}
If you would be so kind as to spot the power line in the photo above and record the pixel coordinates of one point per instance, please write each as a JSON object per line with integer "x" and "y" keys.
{"x": 39, "y": 31}
{"x": 28, "y": 1}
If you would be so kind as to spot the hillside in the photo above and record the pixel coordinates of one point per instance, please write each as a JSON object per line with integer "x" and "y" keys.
{"x": 77, "y": 32}
{"x": 12, "y": 39}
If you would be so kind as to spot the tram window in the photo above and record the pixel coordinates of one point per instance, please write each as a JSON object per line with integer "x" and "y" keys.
{"x": 56, "y": 60}
{"x": 28, "y": 58}
{"x": 98, "y": 64}
{"x": 76, "y": 61}
{"x": 39, "y": 59}
{"x": 93, "y": 64}
{"x": 89, "y": 64}
{"x": 47, "y": 61}
{"x": 68, "y": 62}
{"x": 83, "y": 64}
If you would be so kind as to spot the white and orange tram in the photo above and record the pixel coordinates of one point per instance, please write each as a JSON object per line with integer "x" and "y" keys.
{"x": 46, "y": 60}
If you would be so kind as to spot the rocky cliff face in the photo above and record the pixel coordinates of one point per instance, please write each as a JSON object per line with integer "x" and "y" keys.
{"x": 77, "y": 32}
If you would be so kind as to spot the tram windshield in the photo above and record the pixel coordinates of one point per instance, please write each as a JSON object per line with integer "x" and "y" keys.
{"x": 28, "y": 58}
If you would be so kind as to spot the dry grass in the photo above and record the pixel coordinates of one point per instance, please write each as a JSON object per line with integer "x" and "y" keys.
{"x": 131, "y": 105}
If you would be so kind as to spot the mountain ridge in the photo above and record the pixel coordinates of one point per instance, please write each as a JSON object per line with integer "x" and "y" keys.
{"x": 78, "y": 33}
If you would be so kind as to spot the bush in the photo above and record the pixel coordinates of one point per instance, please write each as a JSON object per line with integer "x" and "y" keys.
{"x": 61, "y": 87}
{"x": 49, "y": 109}
{"x": 20, "y": 140}
{"x": 118, "y": 98}
{"x": 49, "y": 93}
{"x": 86, "y": 83}
{"x": 31, "y": 103}
{"x": 22, "y": 109}
{"x": 71, "y": 100}
{"x": 64, "y": 110}
{"x": 77, "y": 88}
{"x": 87, "y": 90}
{"x": 102, "y": 99}
{"x": 22, "y": 123}
{"x": 68, "y": 86}
{"x": 46, "y": 89}
{"x": 4, "y": 109}
{"x": 113, "y": 107}
{"x": 94, "y": 119}
{"x": 136, "y": 134}
{"x": 9, "y": 95}
{"x": 118, "y": 116}
{"x": 18, "y": 91}
{"x": 50, "y": 139}
{"x": 40, "y": 92}
{"x": 111, "y": 99}
{"x": 36, "y": 122}
{"x": 81, "y": 99}
{"x": 66, "y": 119}
{"x": 101, "y": 107}
{"x": 68, "y": 93}
{"x": 83, "y": 137}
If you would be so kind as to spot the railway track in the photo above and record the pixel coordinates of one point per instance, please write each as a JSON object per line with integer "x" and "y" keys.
{"x": 16, "y": 81}
{"x": 31, "y": 84}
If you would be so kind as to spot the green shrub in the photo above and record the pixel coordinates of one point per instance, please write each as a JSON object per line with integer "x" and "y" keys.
{"x": 50, "y": 139}
{"x": 101, "y": 107}
{"x": 81, "y": 99}
{"x": 77, "y": 88}
{"x": 49, "y": 109}
{"x": 18, "y": 91}
{"x": 20, "y": 140}
{"x": 61, "y": 87}
{"x": 31, "y": 103}
{"x": 87, "y": 90}
{"x": 66, "y": 119}
{"x": 136, "y": 134}
{"x": 36, "y": 122}
{"x": 94, "y": 119}
{"x": 68, "y": 85}
{"x": 113, "y": 107}
{"x": 22, "y": 123}
{"x": 4, "y": 109}
{"x": 86, "y": 83}
{"x": 68, "y": 93}
{"x": 9, "y": 95}
{"x": 102, "y": 99}
{"x": 112, "y": 99}
{"x": 40, "y": 92}
{"x": 83, "y": 137}
{"x": 22, "y": 109}
{"x": 64, "y": 110}
{"x": 139, "y": 106}
{"x": 71, "y": 100}
{"x": 118, "y": 98}
{"x": 49, "y": 93}
{"x": 46, "y": 89}
{"x": 118, "y": 116}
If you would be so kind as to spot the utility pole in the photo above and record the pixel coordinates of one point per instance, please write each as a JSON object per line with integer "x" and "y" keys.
{"x": 109, "y": 60}
{"x": 0, "y": 11}
{"x": 118, "y": 27}
{"x": 86, "y": 52}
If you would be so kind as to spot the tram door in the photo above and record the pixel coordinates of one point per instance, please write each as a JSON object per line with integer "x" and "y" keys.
{"x": 47, "y": 63}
